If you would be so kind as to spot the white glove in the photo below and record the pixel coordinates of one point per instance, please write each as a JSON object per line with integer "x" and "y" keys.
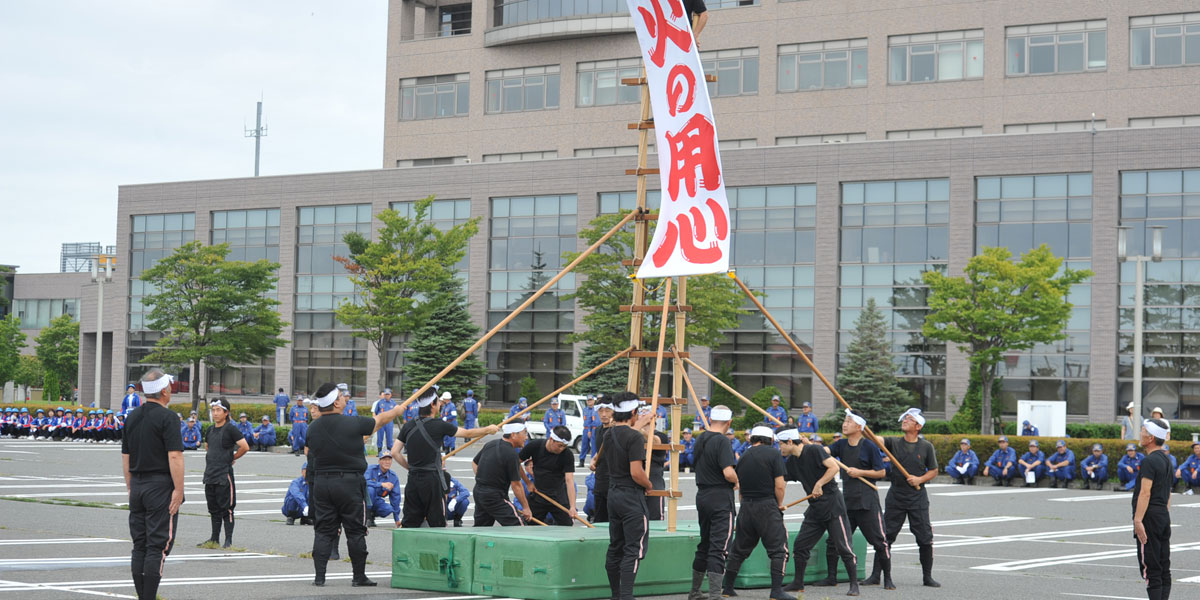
{"x": 305, "y": 513}
{"x": 453, "y": 503}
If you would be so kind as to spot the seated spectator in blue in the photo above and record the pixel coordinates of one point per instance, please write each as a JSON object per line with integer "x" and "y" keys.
{"x": 41, "y": 425}
{"x": 383, "y": 491}
{"x": 1127, "y": 468}
{"x": 807, "y": 423}
{"x": 245, "y": 427}
{"x": 1028, "y": 430}
{"x": 295, "y": 503}
{"x": 521, "y": 405}
{"x": 1060, "y": 464}
{"x": 264, "y": 435}
{"x": 1033, "y": 462}
{"x": 1094, "y": 468}
{"x": 458, "y": 499}
{"x": 778, "y": 412}
{"x": 589, "y": 505}
{"x": 687, "y": 456}
{"x": 191, "y": 434}
{"x": 1189, "y": 471}
{"x": 965, "y": 464}
{"x": 1174, "y": 464}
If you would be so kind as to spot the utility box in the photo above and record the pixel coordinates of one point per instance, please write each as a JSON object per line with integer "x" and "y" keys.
{"x": 433, "y": 559}
{"x": 1049, "y": 416}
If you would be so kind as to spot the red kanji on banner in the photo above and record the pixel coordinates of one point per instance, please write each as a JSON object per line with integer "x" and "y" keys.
{"x": 695, "y": 146}
{"x": 679, "y": 75}
{"x": 661, "y": 29}
{"x": 688, "y": 232}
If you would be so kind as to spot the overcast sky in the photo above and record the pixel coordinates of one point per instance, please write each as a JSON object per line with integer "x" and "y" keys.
{"x": 94, "y": 95}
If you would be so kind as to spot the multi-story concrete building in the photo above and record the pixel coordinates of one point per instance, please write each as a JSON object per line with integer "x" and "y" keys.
{"x": 962, "y": 125}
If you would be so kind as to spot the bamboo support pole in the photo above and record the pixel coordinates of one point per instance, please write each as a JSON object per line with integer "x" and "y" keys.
{"x": 658, "y": 361}
{"x": 691, "y": 391}
{"x": 815, "y": 370}
{"x": 732, "y": 391}
{"x": 808, "y": 497}
{"x": 676, "y": 413}
{"x": 535, "y": 520}
{"x": 553, "y": 394}
{"x": 562, "y": 508}
{"x": 862, "y": 479}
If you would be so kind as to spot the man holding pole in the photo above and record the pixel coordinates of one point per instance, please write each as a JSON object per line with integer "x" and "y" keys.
{"x": 628, "y": 531}
{"x": 761, "y": 479}
{"x": 497, "y": 468}
{"x": 553, "y": 474}
{"x": 715, "y": 480}
{"x": 862, "y": 460}
{"x": 907, "y": 498}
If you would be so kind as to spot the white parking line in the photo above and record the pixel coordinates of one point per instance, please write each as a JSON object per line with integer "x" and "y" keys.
{"x": 999, "y": 491}
{"x": 168, "y": 581}
{"x": 1024, "y": 537}
{"x": 23, "y": 563}
{"x": 1092, "y": 498}
{"x": 35, "y": 541}
{"x": 1033, "y": 563}
{"x": 1108, "y": 597}
{"x": 16, "y": 586}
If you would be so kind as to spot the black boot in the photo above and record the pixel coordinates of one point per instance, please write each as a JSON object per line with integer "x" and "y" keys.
{"x": 998, "y": 483}
{"x": 150, "y": 587}
{"x": 727, "y": 585}
{"x": 291, "y": 520}
{"x": 777, "y": 592}
{"x": 831, "y": 565}
{"x": 885, "y": 562}
{"x": 927, "y": 566}
{"x": 228, "y": 532}
{"x": 714, "y": 585}
{"x": 876, "y": 569}
{"x": 614, "y": 583}
{"x": 852, "y": 573}
{"x": 970, "y": 481}
{"x": 628, "y": 578}
{"x": 797, "y": 584}
{"x": 139, "y": 582}
{"x": 215, "y": 538}
{"x": 697, "y": 581}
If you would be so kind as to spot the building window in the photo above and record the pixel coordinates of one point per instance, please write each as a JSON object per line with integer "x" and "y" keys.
{"x": 613, "y": 202}
{"x": 611, "y": 151}
{"x": 1165, "y": 121}
{"x": 528, "y": 237}
{"x": 454, "y": 20}
{"x": 153, "y": 238}
{"x": 435, "y": 97}
{"x": 823, "y": 65}
{"x": 432, "y": 162}
{"x": 812, "y": 140}
{"x": 1165, "y": 40}
{"x": 927, "y": 57}
{"x": 517, "y": 90}
{"x": 1051, "y": 127}
{"x": 735, "y": 144}
{"x": 251, "y": 234}
{"x": 715, "y": 4}
{"x": 37, "y": 313}
{"x": 1171, "y": 316}
{"x": 736, "y": 71}
{"x": 519, "y": 156}
{"x": 514, "y": 12}
{"x": 1057, "y": 48}
{"x": 599, "y": 83}
{"x": 941, "y": 132}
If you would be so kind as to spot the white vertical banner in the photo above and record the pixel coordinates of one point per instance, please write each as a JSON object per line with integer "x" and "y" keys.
{"x": 693, "y": 232}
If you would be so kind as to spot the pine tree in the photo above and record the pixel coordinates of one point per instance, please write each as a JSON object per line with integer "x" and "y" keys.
{"x": 609, "y": 380}
{"x": 868, "y": 381}
{"x": 445, "y": 335}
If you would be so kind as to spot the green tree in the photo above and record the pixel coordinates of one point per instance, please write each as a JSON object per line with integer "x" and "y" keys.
{"x": 868, "y": 381}
{"x": 29, "y": 371}
{"x": 970, "y": 411}
{"x": 58, "y": 351}
{"x": 50, "y": 387}
{"x": 397, "y": 276}
{"x": 529, "y": 389}
{"x": 11, "y": 342}
{"x": 609, "y": 380}
{"x": 211, "y": 310}
{"x": 720, "y": 395}
{"x": 447, "y": 332}
{"x": 1001, "y": 306}
{"x": 763, "y": 399}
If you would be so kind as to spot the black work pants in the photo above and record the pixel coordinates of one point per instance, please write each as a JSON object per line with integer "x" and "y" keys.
{"x": 152, "y": 527}
{"x": 492, "y": 506}
{"x": 599, "y": 505}
{"x": 1154, "y": 557}
{"x": 656, "y": 506}
{"x": 715, "y": 505}
{"x": 423, "y": 501}
{"x": 918, "y": 522}
{"x": 340, "y": 501}
{"x": 540, "y": 507}
{"x": 828, "y": 515}
{"x": 221, "y": 497}
{"x": 628, "y": 537}
{"x": 760, "y": 520}
{"x": 870, "y": 523}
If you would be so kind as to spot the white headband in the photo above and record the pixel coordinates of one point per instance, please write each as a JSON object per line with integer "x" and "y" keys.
{"x": 607, "y": 405}
{"x": 1156, "y": 431}
{"x": 217, "y": 404}
{"x": 858, "y": 419}
{"x": 510, "y": 428}
{"x": 446, "y": 395}
{"x": 627, "y": 406}
{"x": 787, "y": 435}
{"x": 558, "y": 439}
{"x": 158, "y": 385}
{"x": 426, "y": 401}
{"x": 762, "y": 431}
{"x": 328, "y": 399}
{"x": 915, "y": 413}
{"x": 720, "y": 414}
{"x": 343, "y": 387}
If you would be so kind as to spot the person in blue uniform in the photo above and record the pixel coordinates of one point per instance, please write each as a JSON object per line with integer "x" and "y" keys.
{"x": 244, "y": 426}
{"x": 698, "y": 423}
{"x": 351, "y": 409}
{"x": 295, "y": 502}
{"x": 470, "y": 410}
{"x": 60, "y": 424}
{"x": 807, "y": 423}
{"x": 521, "y": 405}
{"x": 1094, "y": 468}
{"x": 299, "y": 417}
{"x": 1002, "y": 466}
{"x": 78, "y": 425}
{"x": 554, "y": 417}
{"x": 1174, "y": 465}
{"x": 1028, "y": 430}
{"x": 412, "y": 411}
{"x": 191, "y": 434}
{"x": 281, "y": 405}
{"x": 25, "y": 424}
{"x": 660, "y": 418}
{"x": 965, "y": 464}
{"x": 1033, "y": 461}
{"x": 687, "y": 455}
{"x": 1060, "y": 465}
{"x": 591, "y": 425}
{"x": 589, "y": 505}
{"x": 458, "y": 500}
{"x": 1189, "y": 471}
{"x": 383, "y": 491}
{"x": 131, "y": 401}
{"x": 384, "y": 437}
{"x": 36, "y": 423}
{"x": 298, "y": 413}
{"x": 108, "y": 428}
{"x": 263, "y": 436}
{"x": 1127, "y": 468}
{"x": 778, "y": 412}
{"x": 449, "y": 415}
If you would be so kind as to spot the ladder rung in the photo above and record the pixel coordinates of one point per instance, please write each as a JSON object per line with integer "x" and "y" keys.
{"x": 642, "y": 125}
{"x": 663, "y": 401}
{"x": 651, "y": 308}
{"x": 646, "y": 217}
{"x": 642, "y": 171}
{"x": 631, "y": 262}
{"x": 675, "y": 447}
{"x": 653, "y": 354}
{"x": 665, "y": 493}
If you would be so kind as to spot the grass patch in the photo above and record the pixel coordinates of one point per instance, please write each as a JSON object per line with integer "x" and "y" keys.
{"x": 209, "y": 545}
{"x": 305, "y": 555}
{"x": 65, "y": 502}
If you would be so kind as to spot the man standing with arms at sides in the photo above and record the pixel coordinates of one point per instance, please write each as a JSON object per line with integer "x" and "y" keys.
{"x": 1151, "y": 510}
{"x": 152, "y": 459}
{"x": 418, "y": 449}
{"x": 553, "y": 474}
{"x": 604, "y": 409}
{"x": 281, "y": 405}
{"x": 591, "y": 425}
{"x": 554, "y": 417}
{"x": 762, "y": 488}
{"x": 449, "y": 415}
{"x": 471, "y": 410}
{"x": 715, "y": 480}
{"x": 131, "y": 400}
{"x": 777, "y": 411}
{"x": 807, "y": 423}
{"x": 862, "y": 503}
{"x": 339, "y": 492}
{"x": 223, "y": 444}
{"x": 497, "y": 469}
{"x": 904, "y": 500}
{"x": 383, "y": 439}
{"x": 628, "y": 530}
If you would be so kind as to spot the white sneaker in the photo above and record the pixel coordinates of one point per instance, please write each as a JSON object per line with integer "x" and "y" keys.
{"x": 1189, "y": 492}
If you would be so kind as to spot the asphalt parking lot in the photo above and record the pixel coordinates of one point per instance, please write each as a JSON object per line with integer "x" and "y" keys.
{"x": 63, "y": 534}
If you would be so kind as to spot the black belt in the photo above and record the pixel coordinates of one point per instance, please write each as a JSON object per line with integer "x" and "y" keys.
{"x": 339, "y": 474}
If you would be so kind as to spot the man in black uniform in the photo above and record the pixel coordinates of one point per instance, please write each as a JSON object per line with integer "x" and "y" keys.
{"x": 339, "y": 492}
{"x": 628, "y": 532}
{"x": 808, "y": 463}
{"x": 715, "y": 480}
{"x": 1151, "y": 515}
{"x": 553, "y": 474}
{"x": 152, "y": 459}
{"x": 224, "y": 444}
{"x": 604, "y": 409}
{"x": 904, "y": 499}
{"x": 656, "y": 507}
{"x": 497, "y": 469}
{"x": 418, "y": 448}
{"x": 862, "y": 502}
{"x": 760, "y": 474}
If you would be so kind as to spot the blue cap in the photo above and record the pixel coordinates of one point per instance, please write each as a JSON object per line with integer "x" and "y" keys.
{"x": 40, "y": 410}
{"x": 1060, "y": 444}
{"x": 522, "y": 400}
{"x": 24, "y": 410}
{"x": 1033, "y": 443}
{"x": 1097, "y": 447}
{"x": 108, "y": 412}
{"x": 1003, "y": 438}
{"x": 806, "y": 405}
{"x": 387, "y": 390}
{"x": 470, "y": 392}
{"x": 1026, "y": 422}
{"x": 131, "y": 387}
{"x": 79, "y": 411}
{"x": 59, "y": 409}
{"x": 1130, "y": 447}
{"x": 965, "y": 441}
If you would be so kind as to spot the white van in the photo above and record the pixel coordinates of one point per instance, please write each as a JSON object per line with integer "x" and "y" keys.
{"x": 572, "y": 405}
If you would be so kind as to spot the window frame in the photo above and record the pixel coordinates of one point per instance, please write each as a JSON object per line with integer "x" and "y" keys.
{"x": 965, "y": 38}
{"x": 461, "y": 83}
{"x": 793, "y": 52}
{"x": 503, "y": 80}
{"x": 1027, "y": 33}
{"x": 710, "y": 62}
{"x": 1189, "y": 27}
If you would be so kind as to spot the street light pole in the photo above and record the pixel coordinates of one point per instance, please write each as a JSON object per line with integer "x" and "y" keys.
{"x": 1138, "y": 306}
{"x": 97, "y": 279}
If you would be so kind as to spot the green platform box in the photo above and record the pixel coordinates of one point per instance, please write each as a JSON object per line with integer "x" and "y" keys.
{"x": 436, "y": 560}
{"x": 560, "y": 563}
{"x": 756, "y": 573}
